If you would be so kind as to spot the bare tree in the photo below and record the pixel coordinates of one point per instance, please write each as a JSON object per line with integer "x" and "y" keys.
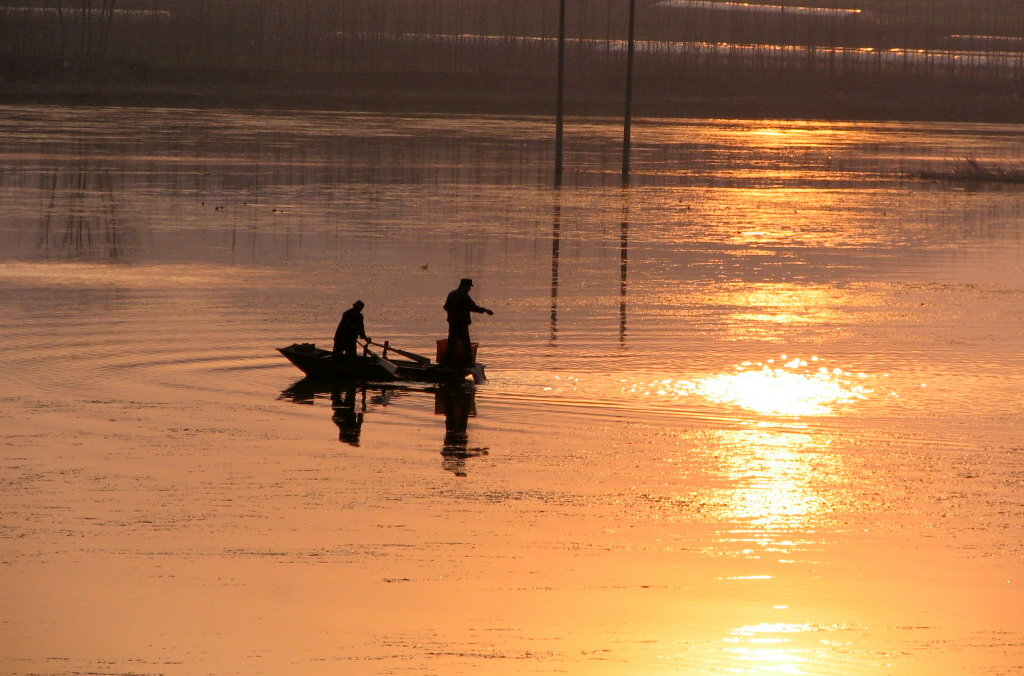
{"x": 86, "y": 27}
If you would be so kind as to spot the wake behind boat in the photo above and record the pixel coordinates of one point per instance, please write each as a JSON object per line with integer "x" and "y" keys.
{"x": 371, "y": 367}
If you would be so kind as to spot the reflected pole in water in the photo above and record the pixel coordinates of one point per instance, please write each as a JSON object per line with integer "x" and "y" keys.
{"x": 560, "y": 98}
{"x": 623, "y": 266}
{"x": 627, "y": 122}
{"x": 556, "y": 234}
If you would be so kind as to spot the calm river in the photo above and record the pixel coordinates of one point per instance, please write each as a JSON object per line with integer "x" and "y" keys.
{"x": 758, "y": 413}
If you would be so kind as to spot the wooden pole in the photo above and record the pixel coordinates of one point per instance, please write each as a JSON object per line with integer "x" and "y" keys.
{"x": 623, "y": 266}
{"x": 559, "y": 108}
{"x": 628, "y": 118}
{"x": 556, "y": 229}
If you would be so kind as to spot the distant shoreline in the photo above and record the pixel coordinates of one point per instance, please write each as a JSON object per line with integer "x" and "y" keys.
{"x": 692, "y": 59}
{"x": 393, "y": 96}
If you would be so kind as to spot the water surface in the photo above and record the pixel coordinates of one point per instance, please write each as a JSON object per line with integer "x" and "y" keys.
{"x": 759, "y": 413}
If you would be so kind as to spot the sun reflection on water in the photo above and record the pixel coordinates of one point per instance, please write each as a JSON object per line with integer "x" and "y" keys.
{"x": 771, "y": 647}
{"x": 785, "y": 387}
{"x": 776, "y": 482}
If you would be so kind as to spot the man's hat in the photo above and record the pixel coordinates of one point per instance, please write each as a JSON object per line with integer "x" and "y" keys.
{"x": 466, "y": 281}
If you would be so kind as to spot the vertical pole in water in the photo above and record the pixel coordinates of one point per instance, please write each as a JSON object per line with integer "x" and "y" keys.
{"x": 556, "y": 228}
{"x": 628, "y": 118}
{"x": 559, "y": 109}
{"x": 623, "y": 265}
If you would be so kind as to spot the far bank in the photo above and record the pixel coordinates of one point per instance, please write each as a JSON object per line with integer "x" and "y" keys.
{"x": 502, "y": 93}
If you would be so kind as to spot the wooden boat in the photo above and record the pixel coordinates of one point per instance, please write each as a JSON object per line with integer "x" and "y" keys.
{"x": 370, "y": 367}
{"x": 314, "y": 361}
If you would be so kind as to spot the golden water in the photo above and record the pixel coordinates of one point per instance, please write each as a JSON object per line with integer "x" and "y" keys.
{"x": 758, "y": 414}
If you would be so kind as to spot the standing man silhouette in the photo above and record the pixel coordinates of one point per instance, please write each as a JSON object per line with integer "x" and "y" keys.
{"x": 459, "y": 305}
{"x": 349, "y": 328}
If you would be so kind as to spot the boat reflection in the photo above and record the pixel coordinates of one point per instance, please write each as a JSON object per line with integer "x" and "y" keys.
{"x": 350, "y": 401}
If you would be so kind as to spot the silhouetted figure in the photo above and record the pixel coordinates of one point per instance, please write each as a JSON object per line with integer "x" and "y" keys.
{"x": 349, "y": 328}
{"x": 458, "y": 404}
{"x": 459, "y": 305}
{"x": 348, "y": 420}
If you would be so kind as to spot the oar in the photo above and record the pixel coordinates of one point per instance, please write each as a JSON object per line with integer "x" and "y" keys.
{"x": 418, "y": 358}
{"x": 381, "y": 361}
{"x": 366, "y": 349}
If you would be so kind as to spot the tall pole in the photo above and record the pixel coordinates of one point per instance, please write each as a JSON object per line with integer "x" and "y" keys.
{"x": 556, "y": 230}
{"x": 559, "y": 112}
{"x": 623, "y": 266}
{"x": 628, "y": 118}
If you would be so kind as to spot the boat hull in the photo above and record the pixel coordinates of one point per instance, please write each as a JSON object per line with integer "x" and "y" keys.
{"x": 320, "y": 363}
{"x": 435, "y": 373}
{"x": 314, "y": 361}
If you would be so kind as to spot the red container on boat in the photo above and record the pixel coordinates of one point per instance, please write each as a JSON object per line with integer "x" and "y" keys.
{"x": 460, "y": 358}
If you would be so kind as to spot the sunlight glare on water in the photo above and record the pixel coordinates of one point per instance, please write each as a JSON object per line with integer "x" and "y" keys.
{"x": 787, "y": 387}
{"x": 770, "y": 648}
{"x": 774, "y": 478}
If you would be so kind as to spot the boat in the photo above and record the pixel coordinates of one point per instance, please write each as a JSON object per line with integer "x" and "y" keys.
{"x": 315, "y": 361}
{"x": 371, "y": 367}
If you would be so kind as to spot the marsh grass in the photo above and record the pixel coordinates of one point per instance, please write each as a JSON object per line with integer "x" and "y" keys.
{"x": 969, "y": 170}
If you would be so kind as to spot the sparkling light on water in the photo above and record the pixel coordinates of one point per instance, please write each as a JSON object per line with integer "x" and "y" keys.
{"x": 774, "y": 647}
{"x": 787, "y": 387}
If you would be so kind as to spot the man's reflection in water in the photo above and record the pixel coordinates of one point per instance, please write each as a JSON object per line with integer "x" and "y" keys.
{"x": 457, "y": 403}
{"x": 350, "y": 401}
{"x": 346, "y": 417}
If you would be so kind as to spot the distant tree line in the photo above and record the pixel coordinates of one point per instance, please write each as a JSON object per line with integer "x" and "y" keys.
{"x": 686, "y": 46}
